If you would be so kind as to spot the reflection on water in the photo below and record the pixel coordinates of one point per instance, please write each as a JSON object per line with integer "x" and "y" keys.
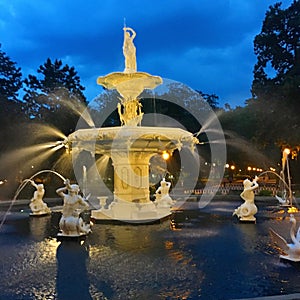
{"x": 72, "y": 276}
{"x": 200, "y": 254}
{"x": 38, "y": 226}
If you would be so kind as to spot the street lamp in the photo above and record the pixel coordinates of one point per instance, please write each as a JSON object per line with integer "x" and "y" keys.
{"x": 285, "y": 163}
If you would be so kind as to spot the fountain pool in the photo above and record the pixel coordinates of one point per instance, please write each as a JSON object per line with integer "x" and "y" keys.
{"x": 197, "y": 254}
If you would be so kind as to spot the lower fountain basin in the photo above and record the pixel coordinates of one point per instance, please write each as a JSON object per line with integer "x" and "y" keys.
{"x": 198, "y": 254}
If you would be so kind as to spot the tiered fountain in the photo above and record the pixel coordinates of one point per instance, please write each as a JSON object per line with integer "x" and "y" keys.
{"x": 130, "y": 146}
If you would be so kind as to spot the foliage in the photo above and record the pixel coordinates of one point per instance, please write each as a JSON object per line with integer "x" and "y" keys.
{"x": 10, "y": 78}
{"x": 276, "y": 84}
{"x": 212, "y": 99}
{"x": 278, "y": 47}
{"x": 56, "y": 96}
{"x": 10, "y": 108}
{"x": 104, "y": 109}
{"x": 270, "y": 120}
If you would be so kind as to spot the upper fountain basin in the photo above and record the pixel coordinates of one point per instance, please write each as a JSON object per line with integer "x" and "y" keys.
{"x": 140, "y": 138}
{"x": 129, "y": 85}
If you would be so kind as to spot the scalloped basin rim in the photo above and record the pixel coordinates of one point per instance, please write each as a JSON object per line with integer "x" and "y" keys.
{"x": 115, "y": 79}
{"x": 132, "y": 132}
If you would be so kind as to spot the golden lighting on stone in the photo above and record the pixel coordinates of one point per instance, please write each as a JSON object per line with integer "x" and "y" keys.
{"x": 292, "y": 209}
{"x": 165, "y": 155}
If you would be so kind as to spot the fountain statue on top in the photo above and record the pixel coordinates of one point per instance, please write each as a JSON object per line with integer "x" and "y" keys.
{"x": 129, "y": 50}
{"x": 131, "y": 145}
{"x": 248, "y": 209}
{"x": 130, "y": 83}
{"x": 37, "y": 205}
{"x": 71, "y": 224}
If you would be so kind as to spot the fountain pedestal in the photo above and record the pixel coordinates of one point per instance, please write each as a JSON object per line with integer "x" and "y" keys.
{"x": 131, "y": 169}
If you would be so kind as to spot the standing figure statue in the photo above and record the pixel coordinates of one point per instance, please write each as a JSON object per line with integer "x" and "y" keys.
{"x": 248, "y": 209}
{"x": 37, "y": 205}
{"x": 162, "y": 197}
{"x": 71, "y": 224}
{"x": 129, "y": 50}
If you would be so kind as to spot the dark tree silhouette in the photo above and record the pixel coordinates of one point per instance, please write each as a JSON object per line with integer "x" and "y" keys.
{"x": 56, "y": 96}
{"x": 277, "y": 47}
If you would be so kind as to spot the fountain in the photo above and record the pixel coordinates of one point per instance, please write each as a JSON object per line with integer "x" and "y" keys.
{"x": 37, "y": 205}
{"x": 290, "y": 251}
{"x": 248, "y": 209}
{"x": 130, "y": 146}
{"x": 162, "y": 197}
{"x": 286, "y": 198}
{"x": 71, "y": 224}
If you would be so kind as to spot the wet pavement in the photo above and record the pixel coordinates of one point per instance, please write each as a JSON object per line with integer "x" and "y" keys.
{"x": 197, "y": 254}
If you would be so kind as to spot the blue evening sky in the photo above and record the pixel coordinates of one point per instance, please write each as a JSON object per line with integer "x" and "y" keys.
{"x": 205, "y": 44}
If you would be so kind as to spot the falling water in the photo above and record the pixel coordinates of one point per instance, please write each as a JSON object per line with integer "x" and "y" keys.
{"x": 206, "y": 126}
{"x": 21, "y": 187}
{"x": 272, "y": 172}
{"x": 80, "y": 110}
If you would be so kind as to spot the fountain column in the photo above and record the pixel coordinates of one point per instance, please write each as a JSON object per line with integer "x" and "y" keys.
{"x": 131, "y": 176}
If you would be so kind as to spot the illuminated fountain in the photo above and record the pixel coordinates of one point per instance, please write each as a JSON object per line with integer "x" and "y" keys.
{"x": 130, "y": 146}
{"x": 248, "y": 209}
{"x": 289, "y": 251}
{"x": 71, "y": 223}
{"x": 37, "y": 205}
{"x": 285, "y": 183}
{"x": 286, "y": 198}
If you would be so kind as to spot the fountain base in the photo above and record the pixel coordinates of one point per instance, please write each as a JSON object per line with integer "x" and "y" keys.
{"x": 290, "y": 258}
{"x": 40, "y": 214}
{"x": 249, "y": 219}
{"x": 62, "y": 235}
{"x": 138, "y": 213}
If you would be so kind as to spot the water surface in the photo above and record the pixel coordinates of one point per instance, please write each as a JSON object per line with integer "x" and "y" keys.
{"x": 198, "y": 254}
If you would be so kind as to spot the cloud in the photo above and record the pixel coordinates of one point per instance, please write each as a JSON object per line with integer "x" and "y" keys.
{"x": 205, "y": 44}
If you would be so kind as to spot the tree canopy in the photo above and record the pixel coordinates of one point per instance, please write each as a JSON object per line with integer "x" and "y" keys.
{"x": 10, "y": 78}
{"x": 54, "y": 97}
{"x": 277, "y": 47}
{"x": 276, "y": 84}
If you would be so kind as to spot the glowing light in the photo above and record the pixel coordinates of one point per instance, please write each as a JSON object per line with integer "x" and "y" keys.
{"x": 227, "y": 166}
{"x": 249, "y": 168}
{"x": 292, "y": 209}
{"x": 165, "y": 155}
{"x": 286, "y": 151}
{"x": 232, "y": 167}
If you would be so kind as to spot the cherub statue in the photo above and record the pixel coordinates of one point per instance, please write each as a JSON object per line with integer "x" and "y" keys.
{"x": 162, "y": 197}
{"x": 248, "y": 209}
{"x": 71, "y": 224}
{"x": 37, "y": 205}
